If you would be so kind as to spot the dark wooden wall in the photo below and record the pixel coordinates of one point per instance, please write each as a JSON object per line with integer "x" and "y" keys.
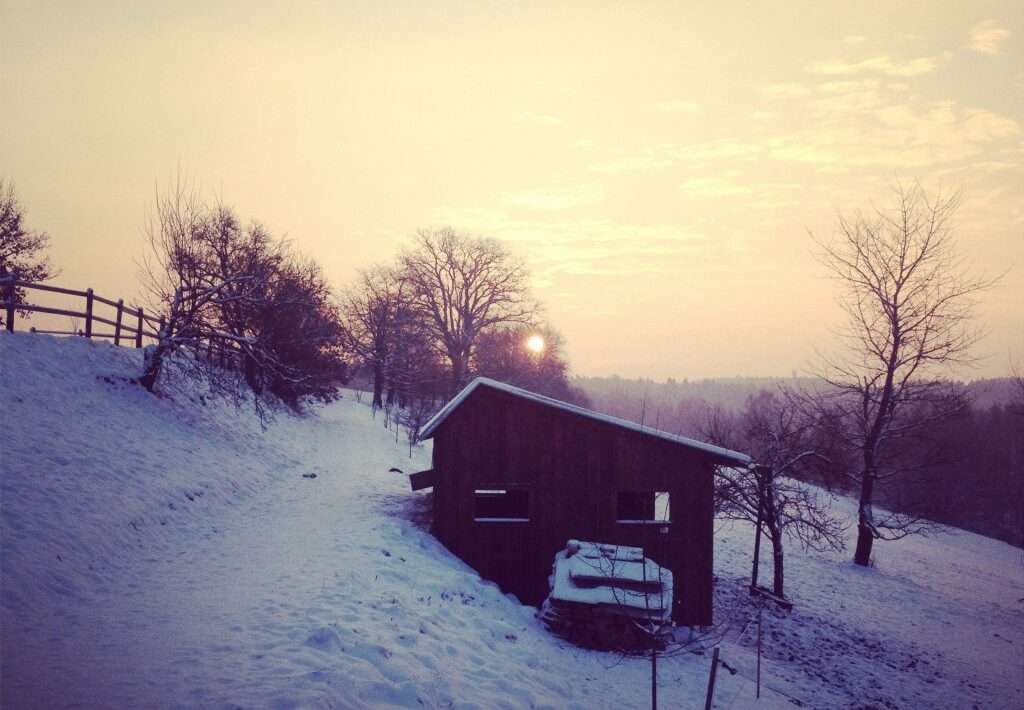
{"x": 574, "y": 468}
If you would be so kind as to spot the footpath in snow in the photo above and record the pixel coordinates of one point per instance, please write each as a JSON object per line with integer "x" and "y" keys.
{"x": 168, "y": 553}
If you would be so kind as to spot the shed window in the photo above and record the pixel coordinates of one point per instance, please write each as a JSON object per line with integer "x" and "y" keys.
{"x": 642, "y": 507}
{"x": 501, "y": 505}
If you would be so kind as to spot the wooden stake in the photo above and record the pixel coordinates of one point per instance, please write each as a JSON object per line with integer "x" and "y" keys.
{"x": 654, "y": 677}
{"x": 711, "y": 679}
{"x": 760, "y": 610}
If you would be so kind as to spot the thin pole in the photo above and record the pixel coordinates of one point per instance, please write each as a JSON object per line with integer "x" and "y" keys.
{"x": 654, "y": 677}
{"x": 760, "y": 610}
{"x": 654, "y": 645}
{"x": 711, "y": 679}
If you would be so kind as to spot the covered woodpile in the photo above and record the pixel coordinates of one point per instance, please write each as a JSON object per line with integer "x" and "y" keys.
{"x": 607, "y": 596}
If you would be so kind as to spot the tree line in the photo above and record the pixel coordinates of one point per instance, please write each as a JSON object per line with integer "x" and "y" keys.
{"x": 447, "y": 308}
{"x": 879, "y": 419}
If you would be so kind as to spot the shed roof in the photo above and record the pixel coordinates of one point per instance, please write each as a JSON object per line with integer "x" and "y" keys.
{"x": 725, "y": 455}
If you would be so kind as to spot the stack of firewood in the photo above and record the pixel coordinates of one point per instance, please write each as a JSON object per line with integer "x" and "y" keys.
{"x": 607, "y": 596}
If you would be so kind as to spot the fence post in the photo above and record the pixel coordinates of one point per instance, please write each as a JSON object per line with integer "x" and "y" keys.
{"x": 117, "y": 328}
{"x": 138, "y": 333}
{"x": 88, "y": 312}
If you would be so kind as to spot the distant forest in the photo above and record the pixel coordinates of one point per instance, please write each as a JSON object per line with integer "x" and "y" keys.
{"x": 971, "y": 471}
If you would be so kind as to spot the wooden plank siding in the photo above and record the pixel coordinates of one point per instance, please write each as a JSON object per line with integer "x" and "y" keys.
{"x": 574, "y": 468}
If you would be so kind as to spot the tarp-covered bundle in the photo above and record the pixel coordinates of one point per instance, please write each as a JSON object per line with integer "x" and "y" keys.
{"x": 604, "y": 596}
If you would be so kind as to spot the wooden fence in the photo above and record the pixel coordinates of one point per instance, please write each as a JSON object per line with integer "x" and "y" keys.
{"x": 130, "y": 325}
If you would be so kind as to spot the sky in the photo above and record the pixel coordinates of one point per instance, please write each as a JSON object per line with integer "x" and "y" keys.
{"x": 660, "y": 167}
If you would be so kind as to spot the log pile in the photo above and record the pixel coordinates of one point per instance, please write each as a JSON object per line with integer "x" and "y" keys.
{"x": 607, "y": 597}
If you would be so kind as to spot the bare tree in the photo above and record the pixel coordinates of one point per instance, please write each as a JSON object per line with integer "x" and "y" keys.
{"x": 1017, "y": 380}
{"x": 225, "y": 290}
{"x": 21, "y": 249}
{"x": 462, "y": 286}
{"x": 298, "y": 331}
{"x": 371, "y": 313}
{"x": 909, "y": 306}
{"x": 184, "y": 280}
{"x": 773, "y": 429}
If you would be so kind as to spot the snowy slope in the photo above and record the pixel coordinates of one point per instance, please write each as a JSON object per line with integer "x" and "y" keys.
{"x": 165, "y": 553}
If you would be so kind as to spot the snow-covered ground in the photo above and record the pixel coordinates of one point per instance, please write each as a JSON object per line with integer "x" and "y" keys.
{"x": 165, "y": 552}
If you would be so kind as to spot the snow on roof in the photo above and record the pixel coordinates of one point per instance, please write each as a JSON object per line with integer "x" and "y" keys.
{"x": 435, "y": 421}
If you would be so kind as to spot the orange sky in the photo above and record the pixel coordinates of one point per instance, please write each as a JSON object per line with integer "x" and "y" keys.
{"x": 658, "y": 165}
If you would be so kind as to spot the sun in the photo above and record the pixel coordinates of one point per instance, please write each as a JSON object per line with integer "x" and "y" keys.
{"x": 535, "y": 344}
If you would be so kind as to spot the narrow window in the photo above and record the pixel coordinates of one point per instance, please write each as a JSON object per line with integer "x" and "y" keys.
{"x": 501, "y": 505}
{"x": 642, "y": 507}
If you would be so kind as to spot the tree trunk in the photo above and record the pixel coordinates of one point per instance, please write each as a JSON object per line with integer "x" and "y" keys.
{"x": 778, "y": 588}
{"x": 865, "y": 540}
{"x": 153, "y": 356}
{"x": 153, "y": 359}
{"x": 458, "y": 373}
{"x": 378, "y": 384}
{"x": 251, "y": 369}
{"x": 865, "y": 523}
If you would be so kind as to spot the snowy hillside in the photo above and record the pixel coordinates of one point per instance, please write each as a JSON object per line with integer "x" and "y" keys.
{"x": 167, "y": 553}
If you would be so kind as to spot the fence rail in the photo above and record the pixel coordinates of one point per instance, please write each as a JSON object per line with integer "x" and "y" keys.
{"x": 129, "y": 323}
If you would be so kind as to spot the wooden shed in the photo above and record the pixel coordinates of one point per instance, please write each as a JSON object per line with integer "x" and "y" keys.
{"x": 516, "y": 475}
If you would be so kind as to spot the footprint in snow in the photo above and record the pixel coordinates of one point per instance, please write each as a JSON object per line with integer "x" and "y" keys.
{"x": 324, "y": 639}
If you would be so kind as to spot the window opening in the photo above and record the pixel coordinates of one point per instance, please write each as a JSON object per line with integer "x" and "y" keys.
{"x": 643, "y": 507}
{"x": 501, "y": 505}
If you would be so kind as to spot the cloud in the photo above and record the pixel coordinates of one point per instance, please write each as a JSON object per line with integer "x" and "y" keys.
{"x": 556, "y": 249}
{"x": 555, "y": 198}
{"x": 678, "y": 106}
{"x": 544, "y": 119}
{"x": 872, "y": 128}
{"x": 854, "y": 39}
{"x": 864, "y": 124}
{"x": 846, "y": 87}
{"x": 785, "y": 90}
{"x": 717, "y": 150}
{"x": 882, "y": 64}
{"x": 987, "y": 37}
{"x": 713, "y": 187}
{"x": 632, "y": 164}
{"x": 585, "y": 143}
